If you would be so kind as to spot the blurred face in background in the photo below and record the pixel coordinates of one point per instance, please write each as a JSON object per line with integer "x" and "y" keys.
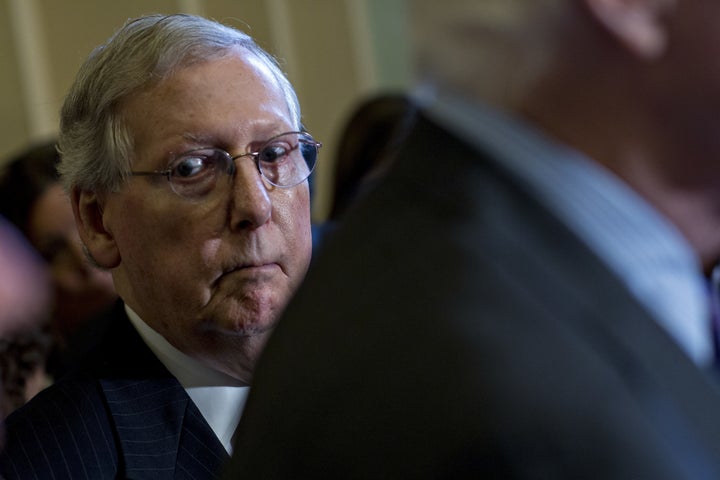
{"x": 82, "y": 290}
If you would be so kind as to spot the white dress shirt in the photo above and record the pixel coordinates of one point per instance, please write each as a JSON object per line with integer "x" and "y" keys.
{"x": 219, "y": 397}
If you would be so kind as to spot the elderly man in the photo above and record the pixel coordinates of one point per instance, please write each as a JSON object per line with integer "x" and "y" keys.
{"x": 183, "y": 152}
{"x": 523, "y": 297}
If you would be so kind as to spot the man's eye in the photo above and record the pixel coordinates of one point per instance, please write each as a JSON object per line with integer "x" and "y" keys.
{"x": 273, "y": 153}
{"x": 191, "y": 166}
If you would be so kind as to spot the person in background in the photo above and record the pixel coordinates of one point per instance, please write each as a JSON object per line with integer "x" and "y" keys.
{"x": 521, "y": 296}
{"x": 186, "y": 161}
{"x": 23, "y": 371}
{"x": 25, "y": 305}
{"x": 32, "y": 198}
{"x": 367, "y": 146}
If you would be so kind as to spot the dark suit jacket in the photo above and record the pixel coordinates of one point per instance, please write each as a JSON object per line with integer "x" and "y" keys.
{"x": 453, "y": 327}
{"x": 121, "y": 416}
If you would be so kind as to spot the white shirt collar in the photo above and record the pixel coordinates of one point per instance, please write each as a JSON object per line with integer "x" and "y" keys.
{"x": 219, "y": 397}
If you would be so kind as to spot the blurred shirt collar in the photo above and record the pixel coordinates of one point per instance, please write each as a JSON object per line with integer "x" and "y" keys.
{"x": 643, "y": 248}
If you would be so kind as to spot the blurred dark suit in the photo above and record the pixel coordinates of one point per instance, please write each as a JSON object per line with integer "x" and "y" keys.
{"x": 126, "y": 408}
{"x": 453, "y": 327}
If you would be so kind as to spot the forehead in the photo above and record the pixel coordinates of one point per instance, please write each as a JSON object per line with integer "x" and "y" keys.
{"x": 222, "y": 99}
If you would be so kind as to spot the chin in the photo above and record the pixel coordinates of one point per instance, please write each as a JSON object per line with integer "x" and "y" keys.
{"x": 243, "y": 323}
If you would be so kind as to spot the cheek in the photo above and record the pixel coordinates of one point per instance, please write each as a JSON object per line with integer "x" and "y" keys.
{"x": 183, "y": 252}
{"x": 293, "y": 217}
{"x": 163, "y": 222}
{"x": 158, "y": 237}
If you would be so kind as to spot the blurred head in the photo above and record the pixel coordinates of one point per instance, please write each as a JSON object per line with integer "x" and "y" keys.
{"x": 649, "y": 62}
{"x": 499, "y": 50}
{"x": 488, "y": 48}
{"x": 32, "y": 198}
{"x": 209, "y": 271}
{"x": 631, "y": 84}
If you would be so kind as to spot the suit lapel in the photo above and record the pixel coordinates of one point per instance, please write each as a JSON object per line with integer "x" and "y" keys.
{"x": 149, "y": 417}
{"x": 200, "y": 453}
{"x": 161, "y": 432}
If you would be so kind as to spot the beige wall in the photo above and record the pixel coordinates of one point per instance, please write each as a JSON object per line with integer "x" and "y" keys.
{"x": 335, "y": 52}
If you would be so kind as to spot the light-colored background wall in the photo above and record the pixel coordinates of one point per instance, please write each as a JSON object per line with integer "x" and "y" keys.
{"x": 336, "y": 52}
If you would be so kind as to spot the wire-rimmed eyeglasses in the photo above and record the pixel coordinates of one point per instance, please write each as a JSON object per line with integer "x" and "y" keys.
{"x": 284, "y": 161}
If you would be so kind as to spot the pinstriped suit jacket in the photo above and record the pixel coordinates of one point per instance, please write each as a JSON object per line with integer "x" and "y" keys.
{"x": 121, "y": 416}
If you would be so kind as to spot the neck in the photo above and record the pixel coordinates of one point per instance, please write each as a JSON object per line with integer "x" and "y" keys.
{"x": 234, "y": 355}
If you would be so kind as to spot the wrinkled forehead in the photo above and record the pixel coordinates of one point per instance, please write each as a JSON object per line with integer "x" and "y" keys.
{"x": 263, "y": 69}
{"x": 252, "y": 77}
{"x": 208, "y": 102}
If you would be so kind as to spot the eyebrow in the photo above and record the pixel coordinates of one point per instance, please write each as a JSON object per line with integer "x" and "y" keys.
{"x": 198, "y": 138}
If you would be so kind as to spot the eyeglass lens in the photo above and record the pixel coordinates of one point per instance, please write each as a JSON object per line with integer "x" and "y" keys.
{"x": 284, "y": 161}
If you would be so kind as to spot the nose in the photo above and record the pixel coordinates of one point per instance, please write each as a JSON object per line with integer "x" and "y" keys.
{"x": 250, "y": 205}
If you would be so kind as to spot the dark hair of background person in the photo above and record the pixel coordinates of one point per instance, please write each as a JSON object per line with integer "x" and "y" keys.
{"x": 24, "y": 178}
{"x": 367, "y": 145}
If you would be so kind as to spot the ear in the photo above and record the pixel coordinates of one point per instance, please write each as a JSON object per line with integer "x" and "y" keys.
{"x": 637, "y": 24}
{"x": 91, "y": 223}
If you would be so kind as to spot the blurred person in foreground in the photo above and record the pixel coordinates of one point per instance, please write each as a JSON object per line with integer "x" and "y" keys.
{"x": 32, "y": 198}
{"x": 522, "y": 296}
{"x": 181, "y": 147}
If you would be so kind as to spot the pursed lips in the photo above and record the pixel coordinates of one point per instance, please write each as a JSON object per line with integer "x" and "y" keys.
{"x": 254, "y": 270}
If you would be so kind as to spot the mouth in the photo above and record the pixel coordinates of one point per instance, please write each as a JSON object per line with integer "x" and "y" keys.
{"x": 255, "y": 265}
{"x": 255, "y": 271}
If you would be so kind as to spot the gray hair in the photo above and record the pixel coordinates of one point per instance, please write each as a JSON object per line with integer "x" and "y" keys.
{"x": 487, "y": 48}
{"x": 94, "y": 142}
